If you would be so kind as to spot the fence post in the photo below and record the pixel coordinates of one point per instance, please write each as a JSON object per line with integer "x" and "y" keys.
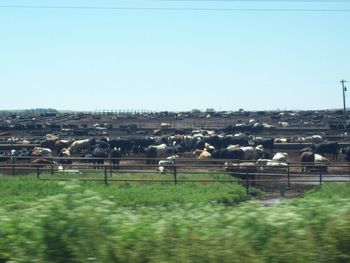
{"x": 247, "y": 184}
{"x": 13, "y": 165}
{"x": 174, "y": 173}
{"x": 320, "y": 176}
{"x": 38, "y": 172}
{"x": 51, "y": 169}
{"x": 106, "y": 182}
{"x": 247, "y": 179}
{"x": 288, "y": 171}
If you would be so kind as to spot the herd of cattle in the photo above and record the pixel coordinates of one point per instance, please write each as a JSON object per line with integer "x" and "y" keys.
{"x": 162, "y": 138}
{"x": 199, "y": 144}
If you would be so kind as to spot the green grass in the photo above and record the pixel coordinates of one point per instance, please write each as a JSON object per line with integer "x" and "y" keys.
{"x": 17, "y": 192}
{"x": 330, "y": 191}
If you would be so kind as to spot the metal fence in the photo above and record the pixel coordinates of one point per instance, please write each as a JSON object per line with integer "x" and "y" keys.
{"x": 145, "y": 170}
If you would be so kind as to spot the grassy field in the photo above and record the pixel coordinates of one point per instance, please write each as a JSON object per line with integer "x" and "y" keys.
{"x": 19, "y": 192}
{"x": 88, "y": 222}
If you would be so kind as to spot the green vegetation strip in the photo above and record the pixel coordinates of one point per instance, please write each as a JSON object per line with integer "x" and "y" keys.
{"x": 21, "y": 192}
{"x": 85, "y": 223}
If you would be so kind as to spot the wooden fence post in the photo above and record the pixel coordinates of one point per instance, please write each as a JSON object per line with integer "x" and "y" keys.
{"x": 320, "y": 176}
{"x": 38, "y": 172}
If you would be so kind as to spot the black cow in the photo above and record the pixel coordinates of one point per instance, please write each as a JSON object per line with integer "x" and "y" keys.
{"x": 200, "y": 144}
{"x": 115, "y": 154}
{"x": 151, "y": 153}
{"x": 241, "y": 139}
{"x": 267, "y": 143}
{"x": 324, "y": 148}
{"x": 98, "y": 156}
{"x": 235, "y": 154}
{"x": 215, "y": 141}
{"x": 346, "y": 151}
{"x": 103, "y": 143}
{"x": 125, "y": 145}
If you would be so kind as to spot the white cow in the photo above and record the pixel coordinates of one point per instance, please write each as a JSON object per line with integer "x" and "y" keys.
{"x": 320, "y": 159}
{"x": 283, "y": 124}
{"x": 267, "y": 165}
{"x": 43, "y": 152}
{"x": 321, "y": 163}
{"x": 248, "y": 153}
{"x": 161, "y": 149}
{"x": 79, "y": 145}
{"x": 280, "y": 157}
{"x": 164, "y": 164}
{"x": 209, "y": 147}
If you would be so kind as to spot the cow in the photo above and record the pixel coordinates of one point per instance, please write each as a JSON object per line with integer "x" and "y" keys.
{"x": 228, "y": 153}
{"x": 199, "y": 144}
{"x": 165, "y": 164}
{"x": 60, "y": 144}
{"x": 125, "y": 145}
{"x": 248, "y": 153}
{"x": 267, "y": 143}
{"x": 156, "y": 151}
{"x": 261, "y": 153}
{"x": 321, "y": 163}
{"x": 307, "y": 160}
{"x": 271, "y": 165}
{"x": 277, "y": 166}
{"x": 188, "y": 142}
{"x": 201, "y": 154}
{"x": 244, "y": 167}
{"x": 314, "y": 138}
{"x": 327, "y": 147}
{"x": 320, "y": 159}
{"x": 115, "y": 154}
{"x": 98, "y": 156}
{"x": 81, "y": 145}
{"x": 41, "y": 152}
{"x": 346, "y": 152}
{"x": 208, "y": 147}
{"x": 280, "y": 157}
{"x": 49, "y": 142}
{"x": 65, "y": 153}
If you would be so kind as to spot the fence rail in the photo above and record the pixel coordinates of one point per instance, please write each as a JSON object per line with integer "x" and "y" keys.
{"x": 109, "y": 170}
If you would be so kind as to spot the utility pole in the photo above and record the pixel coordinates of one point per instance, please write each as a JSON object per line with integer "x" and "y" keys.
{"x": 344, "y": 89}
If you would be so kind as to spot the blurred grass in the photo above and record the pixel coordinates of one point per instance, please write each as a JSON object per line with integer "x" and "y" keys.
{"x": 85, "y": 223}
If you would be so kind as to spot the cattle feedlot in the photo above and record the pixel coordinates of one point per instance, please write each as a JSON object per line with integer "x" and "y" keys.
{"x": 255, "y": 146}
{"x": 266, "y": 186}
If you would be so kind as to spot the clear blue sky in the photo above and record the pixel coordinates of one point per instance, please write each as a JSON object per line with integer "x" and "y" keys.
{"x": 88, "y": 59}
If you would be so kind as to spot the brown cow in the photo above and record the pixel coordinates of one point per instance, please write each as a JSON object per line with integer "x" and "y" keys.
{"x": 307, "y": 160}
{"x": 60, "y": 144}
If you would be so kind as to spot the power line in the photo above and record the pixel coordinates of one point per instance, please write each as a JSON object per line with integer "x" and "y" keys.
{"x": 262, "y": 1}
{"x": 175, "y": 8}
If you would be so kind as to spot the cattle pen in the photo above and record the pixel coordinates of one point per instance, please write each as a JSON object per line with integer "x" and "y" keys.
{"x": 182, "y": 170}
